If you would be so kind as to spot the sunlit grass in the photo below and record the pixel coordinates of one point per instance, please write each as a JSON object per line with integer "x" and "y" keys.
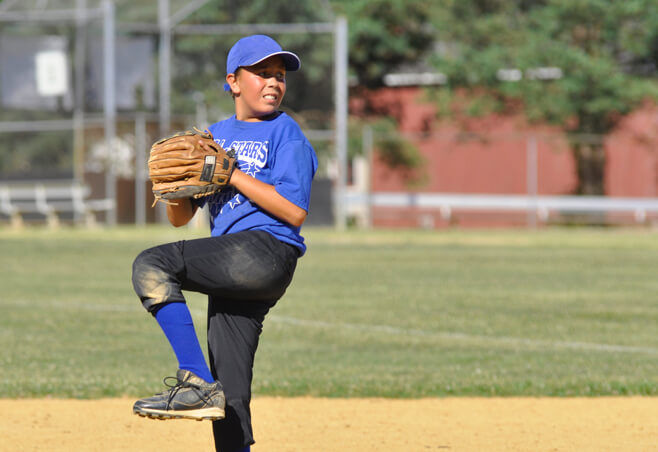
{"x": 391, "y": 313}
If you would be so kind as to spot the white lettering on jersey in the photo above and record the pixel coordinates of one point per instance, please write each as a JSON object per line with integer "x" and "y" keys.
{"x": 252, "y": 157}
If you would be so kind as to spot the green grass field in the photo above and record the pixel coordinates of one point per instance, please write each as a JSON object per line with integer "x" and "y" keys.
{"x": 557, "y": 312}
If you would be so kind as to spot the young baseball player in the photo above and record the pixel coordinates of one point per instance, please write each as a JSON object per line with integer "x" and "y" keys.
{"x": 249, "y": 260}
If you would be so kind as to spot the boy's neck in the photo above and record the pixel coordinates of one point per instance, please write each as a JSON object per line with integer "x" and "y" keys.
{"x": 268, "y": 117}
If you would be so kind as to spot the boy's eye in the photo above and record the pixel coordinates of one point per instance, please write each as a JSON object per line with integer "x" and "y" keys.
{"x": 278, "y": 75}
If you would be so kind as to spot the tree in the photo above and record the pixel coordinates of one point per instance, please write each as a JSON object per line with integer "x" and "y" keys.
{"x": 607, "y": 53}
{"x": 384, "y": 35}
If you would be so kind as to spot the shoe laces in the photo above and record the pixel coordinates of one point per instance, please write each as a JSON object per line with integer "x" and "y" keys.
{"x": 174, "y": 388}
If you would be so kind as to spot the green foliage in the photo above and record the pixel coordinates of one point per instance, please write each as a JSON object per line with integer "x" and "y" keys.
{"x": 607, "y": 52}
{"x": 603, "y": 49}
{"x": 395, "y": 151}
{"x": 370, "y": 313}
{"x": 384, "y": 35}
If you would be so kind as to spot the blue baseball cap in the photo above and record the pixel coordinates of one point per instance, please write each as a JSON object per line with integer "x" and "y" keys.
{"x": 254, "y": 49}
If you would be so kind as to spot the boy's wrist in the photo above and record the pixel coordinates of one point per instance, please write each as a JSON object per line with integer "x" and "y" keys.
{"x": 238, "y": 178}
{"x": 235, "y": 175}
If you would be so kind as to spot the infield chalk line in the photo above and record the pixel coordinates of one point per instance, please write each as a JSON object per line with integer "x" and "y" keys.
{"x": 501, "y": 341}
{"x": 462, "y": 337}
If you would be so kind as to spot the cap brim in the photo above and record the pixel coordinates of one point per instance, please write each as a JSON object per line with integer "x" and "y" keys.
{"x": 291, "y": 61}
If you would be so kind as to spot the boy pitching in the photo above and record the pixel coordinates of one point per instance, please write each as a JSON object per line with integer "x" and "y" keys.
{"x": 249, "y": 259}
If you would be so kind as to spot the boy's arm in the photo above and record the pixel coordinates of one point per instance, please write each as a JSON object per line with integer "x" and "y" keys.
{"x": 259, "y": 192}
{"x": 266, "y": 196}
{"x": 182, "y": 212}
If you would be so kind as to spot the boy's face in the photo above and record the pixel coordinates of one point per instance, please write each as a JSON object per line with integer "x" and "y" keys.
{"x": 259, "y": 89}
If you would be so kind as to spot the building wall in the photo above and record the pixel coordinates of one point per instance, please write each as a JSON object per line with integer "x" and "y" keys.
{"x": 632, "y": 153}
{"x": 491, "y": 156}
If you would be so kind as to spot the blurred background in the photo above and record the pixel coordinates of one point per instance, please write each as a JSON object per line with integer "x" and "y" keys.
{"x": 423, "y": 114}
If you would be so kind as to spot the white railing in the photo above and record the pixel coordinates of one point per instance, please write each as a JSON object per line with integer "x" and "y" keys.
{"x": 538, "y": 207}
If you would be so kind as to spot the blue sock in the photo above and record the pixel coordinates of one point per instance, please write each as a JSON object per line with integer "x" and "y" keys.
{"x": 246, "y": 449}
{"x": 176, "y": 322}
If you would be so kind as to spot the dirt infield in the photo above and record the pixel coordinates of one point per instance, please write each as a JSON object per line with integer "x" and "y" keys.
{"x": 308, "y": 424}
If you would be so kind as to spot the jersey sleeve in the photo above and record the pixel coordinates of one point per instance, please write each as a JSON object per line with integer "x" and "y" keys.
{"x": 293, "y": 171}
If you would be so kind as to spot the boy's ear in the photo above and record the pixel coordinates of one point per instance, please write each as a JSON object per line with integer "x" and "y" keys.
{"x": 232, "y": 81}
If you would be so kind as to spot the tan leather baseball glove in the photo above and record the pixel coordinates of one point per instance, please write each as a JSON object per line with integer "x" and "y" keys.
{"x": 180, "y": 167}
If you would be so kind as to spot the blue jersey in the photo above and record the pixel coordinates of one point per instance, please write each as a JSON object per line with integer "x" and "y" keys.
{"x": 275, "y": 152}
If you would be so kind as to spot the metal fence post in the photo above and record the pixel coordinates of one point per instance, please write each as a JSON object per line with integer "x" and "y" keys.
{"x": 340, "y": 70}
{"x": 141, "y": 172}
{"x": 109, "y": 66}
{"x": 368, "y": 143}
{"x": 164, "y": 53}
{"x": 532, "y": 179}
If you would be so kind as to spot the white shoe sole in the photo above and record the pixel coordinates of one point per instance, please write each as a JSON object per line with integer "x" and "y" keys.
{"x": 211, "y": 414}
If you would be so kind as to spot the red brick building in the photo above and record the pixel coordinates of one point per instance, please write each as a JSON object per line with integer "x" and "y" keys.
{"x": 492, "y": 157}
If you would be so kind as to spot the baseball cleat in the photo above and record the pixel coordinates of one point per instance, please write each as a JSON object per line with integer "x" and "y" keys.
{"x": 189, "y": 398}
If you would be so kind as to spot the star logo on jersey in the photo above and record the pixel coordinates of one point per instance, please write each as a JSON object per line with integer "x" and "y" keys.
{"x": 252, "y": 169}
{"x": 232, "y": 203}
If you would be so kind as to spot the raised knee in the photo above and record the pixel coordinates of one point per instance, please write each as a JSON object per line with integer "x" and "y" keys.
{"x": 145, "y": 269}
{"x": 152, "y": 282}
